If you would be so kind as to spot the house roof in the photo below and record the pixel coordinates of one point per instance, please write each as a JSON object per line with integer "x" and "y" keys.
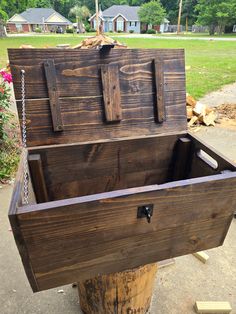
{"x": 40, "y": 15}
{"x": 130, "y": 12}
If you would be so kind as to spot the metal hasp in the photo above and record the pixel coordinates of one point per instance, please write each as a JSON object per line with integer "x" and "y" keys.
{"x": 145, "y": 211}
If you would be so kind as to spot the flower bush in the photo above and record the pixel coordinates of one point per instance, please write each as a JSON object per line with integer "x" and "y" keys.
{"x": 9, "y": 130}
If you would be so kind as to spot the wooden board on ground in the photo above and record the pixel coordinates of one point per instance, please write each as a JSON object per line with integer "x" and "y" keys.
{"x": 202, "y": 256}
{"x": 166, "y": 262}
{"x": 212, "y": 307}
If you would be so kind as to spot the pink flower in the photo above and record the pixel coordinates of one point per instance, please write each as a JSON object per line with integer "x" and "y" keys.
{"x": 7, "y": 77}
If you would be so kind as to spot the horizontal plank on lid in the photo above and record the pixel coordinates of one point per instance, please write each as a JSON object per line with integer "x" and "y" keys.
{"x": 82, "y": 121}
{"x": 80, "y": 92}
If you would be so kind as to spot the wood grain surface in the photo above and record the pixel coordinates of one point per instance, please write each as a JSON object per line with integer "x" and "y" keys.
{"x": 80, "y": 93}
{"x": 80, "y": 238}
{"x": 78, "y": 170}
{"x": 127, "y": 292}
{"x": 111, "y": 92}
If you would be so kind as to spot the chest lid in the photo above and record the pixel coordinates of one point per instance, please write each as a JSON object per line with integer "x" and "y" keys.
{"x": 75, "y": 96}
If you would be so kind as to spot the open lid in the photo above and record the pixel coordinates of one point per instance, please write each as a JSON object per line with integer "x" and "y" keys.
{"x": 76, "y": 96}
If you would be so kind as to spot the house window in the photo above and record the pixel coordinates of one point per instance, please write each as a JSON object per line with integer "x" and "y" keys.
{"x": 135, "y": 24}
{"x": 19, "y": 27}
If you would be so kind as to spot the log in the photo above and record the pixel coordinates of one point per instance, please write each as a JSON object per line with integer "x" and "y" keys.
{"x": 124, "y": 292}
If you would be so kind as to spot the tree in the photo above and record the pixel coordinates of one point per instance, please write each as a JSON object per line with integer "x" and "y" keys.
{"x": 216, "y": 13}
{"x": 189, "y": 11}
{"x": 81, "y": 13}
{"x": 152, "y": 13}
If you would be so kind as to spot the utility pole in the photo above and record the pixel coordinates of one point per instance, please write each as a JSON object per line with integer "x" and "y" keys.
{"x": 179, "y": 18}
{"x": 97, "y": 18}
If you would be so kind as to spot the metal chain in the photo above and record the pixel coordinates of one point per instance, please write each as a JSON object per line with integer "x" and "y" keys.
{"x": 24, "y": 142}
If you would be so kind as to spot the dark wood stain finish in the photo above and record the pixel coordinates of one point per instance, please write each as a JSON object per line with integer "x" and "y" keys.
{"x": 50, "y": 74}
{"x": 37, "y": 175}
{"x": 90, "y": 179}
{"x": 159, "y": 80}
{"x": 80, "y": 93}
{"x": 111, "y": 92}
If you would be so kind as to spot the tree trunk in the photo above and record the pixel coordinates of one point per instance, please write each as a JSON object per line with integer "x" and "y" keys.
{"x": 212, "y": 29}
{"x": 126, "y": 292}
{"x": 221, "y": 29}
{"x": 80, "y": 26}
{"x": 2, "y": 29}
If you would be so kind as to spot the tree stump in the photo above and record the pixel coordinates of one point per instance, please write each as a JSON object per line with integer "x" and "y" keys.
{"x": 127, "y": 292}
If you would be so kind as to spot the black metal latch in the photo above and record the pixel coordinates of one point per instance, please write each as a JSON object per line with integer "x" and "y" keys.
{"x": 145, "y": 211}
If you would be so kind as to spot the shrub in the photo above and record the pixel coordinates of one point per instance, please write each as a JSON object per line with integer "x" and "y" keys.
{"x": 92, "y": 30}
{"x": 111, "y": 31}
{"x": 88, "y": 28}
{"x": 151, "y": 31}
{"x": 9, "y": 138}
{"x": 119, "y": 31}
{"x": 143, "y": 31}
{"x": 69, "y": 31}
{"x": 38, "y": 30}
{"x": 131, "y": 31}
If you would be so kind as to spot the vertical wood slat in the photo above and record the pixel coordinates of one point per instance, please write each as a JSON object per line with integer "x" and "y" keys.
{"x": 159, "y": 81}
{"x": 50, "y": 74}
{"x": 182, "y": 159}
{"x": 111, "y": 92}
{"x": 37, "y": 176}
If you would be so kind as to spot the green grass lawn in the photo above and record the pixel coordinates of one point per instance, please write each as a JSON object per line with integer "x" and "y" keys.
{"x": 189, "y": 34}
{"x": 212, "y": 63}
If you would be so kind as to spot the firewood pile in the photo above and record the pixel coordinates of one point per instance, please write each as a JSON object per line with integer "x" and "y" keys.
{"x": 199, "y": 113}
{"x": 98, "y": 41}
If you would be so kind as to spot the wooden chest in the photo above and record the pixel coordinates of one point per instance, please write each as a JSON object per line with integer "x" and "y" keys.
{"x": 116, "y": 181}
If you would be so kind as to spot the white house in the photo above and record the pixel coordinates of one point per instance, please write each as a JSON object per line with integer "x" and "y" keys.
{"x": 123, "y": 18}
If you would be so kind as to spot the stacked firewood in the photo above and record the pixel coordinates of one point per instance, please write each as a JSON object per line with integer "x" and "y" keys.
{"x": 198, "y": 113}
{"x": 98, "y": 41}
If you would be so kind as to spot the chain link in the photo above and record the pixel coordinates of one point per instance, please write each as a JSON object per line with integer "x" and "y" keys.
{"x": 24, "y": 142}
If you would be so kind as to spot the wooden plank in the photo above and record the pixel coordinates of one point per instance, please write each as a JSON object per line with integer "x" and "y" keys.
{"x": 166, "y": 262}
{"x": 203, "y": 307}
{"x": 101, "y": 167}
{"x": 159, "y": 81}
{"x": 38, "y": 179}
{"x": 50, "y": 74}
{"x": 199, "y": 167}
{"x": 111, "y": 92}
{"x": 16, "y": 201}
{"x": 68, "y": 242}
{"x": 202, "y": 256}
{"x": 81, "y": 95}
{"x": 182, "y": 159}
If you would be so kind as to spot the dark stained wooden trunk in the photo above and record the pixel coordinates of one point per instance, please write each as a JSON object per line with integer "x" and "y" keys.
{"x": 107, "y": 142}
